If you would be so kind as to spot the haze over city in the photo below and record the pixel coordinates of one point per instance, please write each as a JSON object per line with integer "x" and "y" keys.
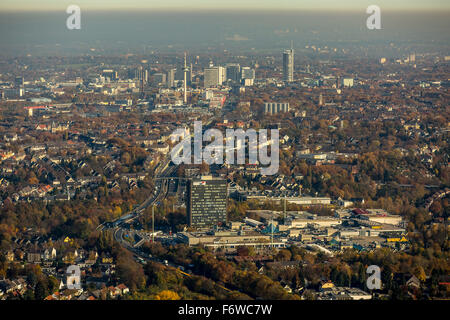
{"x": 46, "y": 33}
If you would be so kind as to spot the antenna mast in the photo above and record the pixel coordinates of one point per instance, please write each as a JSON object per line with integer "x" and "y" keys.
{"x": 271, "y": 229}
{"x": 153, "y": 224}
{"x": 185, "y": 69}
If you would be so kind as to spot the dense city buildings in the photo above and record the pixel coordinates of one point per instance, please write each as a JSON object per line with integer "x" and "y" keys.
{"x": 89, "y": 133}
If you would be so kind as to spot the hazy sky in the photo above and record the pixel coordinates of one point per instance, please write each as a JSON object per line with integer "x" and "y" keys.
{"x": 226, "y": 4}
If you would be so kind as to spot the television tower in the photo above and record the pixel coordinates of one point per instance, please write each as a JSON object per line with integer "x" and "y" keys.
{"x": 185, "y": 69}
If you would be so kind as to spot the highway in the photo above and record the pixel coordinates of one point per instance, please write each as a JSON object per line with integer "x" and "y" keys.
{"x": 119, "y": 237}
{"x": 161, "y": 187}
{"x": 163, "y": 174}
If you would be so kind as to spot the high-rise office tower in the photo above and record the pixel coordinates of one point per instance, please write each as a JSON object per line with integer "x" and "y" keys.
{"x": 141, "y": 74}
{"x": 206, "y": 202}
{"x": 171, "y": 77}
{"x": 19, "y": 81}
{"x": 210, "y": 77}
{"x": 111, "y": 74}
{"x": 179, "y": 73}
{"x": 247, "y": 76}
{"x": 213, "y": 76}
{"x": 248, "y": 73}
{"x": 347, "y": 82}
{"x": 222, "y": 74}
{"x": 159, "y": 79}
{"x": 288, "y": 65}
{"x": 233, "y": 72}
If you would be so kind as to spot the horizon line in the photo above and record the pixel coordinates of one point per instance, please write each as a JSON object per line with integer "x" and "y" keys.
{"x": 228, "y": 10}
